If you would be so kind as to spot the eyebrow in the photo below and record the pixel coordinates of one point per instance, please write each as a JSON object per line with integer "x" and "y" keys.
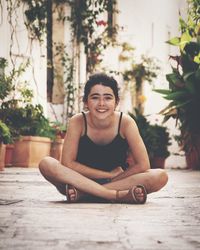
{"x": 97, "y": 94}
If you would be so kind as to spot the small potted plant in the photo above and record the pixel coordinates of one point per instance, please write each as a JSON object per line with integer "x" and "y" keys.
{"x": 157, "y": 145}
{"x": 57, "y": 143}
{"x": 5, "y": 138}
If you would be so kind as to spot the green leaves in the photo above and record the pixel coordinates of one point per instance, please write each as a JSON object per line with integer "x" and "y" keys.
{"x": 174, "y": 41}
{"x": 181, "y": 41}
{"x": 5, "y": 135}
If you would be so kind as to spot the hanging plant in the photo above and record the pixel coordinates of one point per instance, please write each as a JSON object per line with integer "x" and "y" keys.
{"x": 136, "y": 73}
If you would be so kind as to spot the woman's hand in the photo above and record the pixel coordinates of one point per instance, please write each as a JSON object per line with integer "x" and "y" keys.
{"x": 115, "y": 172}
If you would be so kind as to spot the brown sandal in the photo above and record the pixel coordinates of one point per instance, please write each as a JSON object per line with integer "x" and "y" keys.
{"x": 131, "y": 197}
{"x": 68, "y": 196}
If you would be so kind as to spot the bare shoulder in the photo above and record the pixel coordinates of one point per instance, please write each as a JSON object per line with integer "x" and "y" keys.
{"x": 128, "y": 121}
{"x": 128, "y": 124}
{"x": 75, "y": 123}
{"x": 76, "y": 118}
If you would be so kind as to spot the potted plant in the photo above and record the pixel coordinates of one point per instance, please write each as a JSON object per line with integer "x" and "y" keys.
{"x": 30, "y": 130}
{"x": 156, "y": 139}
{"x": 35, "y": 135}
{"x": 157, "y": 145}
{"x": 184, "y": 88}
{"x": 5, "y": 138}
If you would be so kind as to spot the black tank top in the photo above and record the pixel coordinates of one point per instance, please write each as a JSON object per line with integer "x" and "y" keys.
{"x": 103, "y": 157}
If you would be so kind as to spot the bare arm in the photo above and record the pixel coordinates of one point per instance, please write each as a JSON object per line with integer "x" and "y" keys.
{"x": 70, "y": 149}
{"x": 137, "y": 148}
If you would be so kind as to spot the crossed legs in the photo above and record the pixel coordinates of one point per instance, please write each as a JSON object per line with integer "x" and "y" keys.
{"x": 58, "y": 175}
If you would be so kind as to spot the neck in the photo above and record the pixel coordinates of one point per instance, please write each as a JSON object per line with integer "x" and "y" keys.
{"x": 101, "y": 124}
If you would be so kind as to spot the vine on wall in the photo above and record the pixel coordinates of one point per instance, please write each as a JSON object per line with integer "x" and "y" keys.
{"x": 91, "y": 26}
{"x": 67, "y": 77}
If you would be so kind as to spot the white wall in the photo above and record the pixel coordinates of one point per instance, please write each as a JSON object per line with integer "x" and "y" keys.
{"x": 21, "y": 49}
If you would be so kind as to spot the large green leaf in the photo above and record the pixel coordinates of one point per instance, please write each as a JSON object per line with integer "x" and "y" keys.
{"x": 188, "y": 75}
{"x": 172, "y": 78}
{"x": 177, "y": 95}
{"x": 197, "y": 74}
{"x": 174, "y": 41}
{"x": 163, "y": 91}
{"x": 167, "y": 109}
{"x": 189, "y": 82}
{"x": 185, "y": 38}
{"x": 182, "y": 104}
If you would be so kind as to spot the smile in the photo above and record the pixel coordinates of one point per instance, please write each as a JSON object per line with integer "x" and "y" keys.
{"x": 101, "y": 110}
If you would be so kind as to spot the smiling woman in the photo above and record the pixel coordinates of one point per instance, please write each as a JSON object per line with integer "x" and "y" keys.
{"x": 95, "y": 151}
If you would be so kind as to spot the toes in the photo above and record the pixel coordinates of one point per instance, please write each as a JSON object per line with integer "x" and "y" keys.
{"x": 71, "y": 191}
{"x": 140, "y": 194}
{"x": 72, "y": 194}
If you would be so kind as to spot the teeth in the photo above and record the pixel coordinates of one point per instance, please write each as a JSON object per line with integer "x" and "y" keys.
{"x": 101, "y": 110}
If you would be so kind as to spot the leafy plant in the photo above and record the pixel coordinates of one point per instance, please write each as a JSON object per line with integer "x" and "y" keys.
{"x": 5, "y": 136}
{"x": 184, "y": 88}
{"x": 28, "y": 120}
{"x": 156, "y": 137}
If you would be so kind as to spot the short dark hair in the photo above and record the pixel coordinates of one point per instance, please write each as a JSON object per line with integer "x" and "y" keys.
{"x": 103, "y": 79}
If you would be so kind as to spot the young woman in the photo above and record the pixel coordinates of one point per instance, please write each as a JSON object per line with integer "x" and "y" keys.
{"x": 95, "y": 151}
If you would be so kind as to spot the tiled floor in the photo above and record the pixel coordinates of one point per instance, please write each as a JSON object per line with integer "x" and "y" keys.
{"x": 33, "y": 215}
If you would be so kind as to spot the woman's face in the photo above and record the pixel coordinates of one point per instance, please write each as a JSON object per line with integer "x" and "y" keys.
{"x": 101, "y": 101}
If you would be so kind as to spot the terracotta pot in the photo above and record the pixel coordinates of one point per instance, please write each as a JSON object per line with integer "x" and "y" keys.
{"x": 56, "y": 148}
{"x": 30, "y": 150}
{"x": 2, "y": 156}
{"x": 9, "y": 155}
{"x": 158, "y": 162}
{"x": 193, "y": 159}
{"x": 193, "y": 153}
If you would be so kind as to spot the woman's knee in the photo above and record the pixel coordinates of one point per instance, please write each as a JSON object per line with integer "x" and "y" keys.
{"x": 161, "y": 178}
{"x": 46, "y": 163}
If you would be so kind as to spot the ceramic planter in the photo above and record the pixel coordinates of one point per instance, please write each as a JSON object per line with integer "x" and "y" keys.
{"x": 9, "y": 155}
{"x": 158, "y": 162}
{"x": 193, "y": 158}
{"x": 30, "y": 150}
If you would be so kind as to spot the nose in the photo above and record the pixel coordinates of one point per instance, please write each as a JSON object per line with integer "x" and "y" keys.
{"x": 101, "y": 101}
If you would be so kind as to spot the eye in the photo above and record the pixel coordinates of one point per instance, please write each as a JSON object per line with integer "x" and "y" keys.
{"x": 108, "y": 98}
{"x": 94, "y": 97}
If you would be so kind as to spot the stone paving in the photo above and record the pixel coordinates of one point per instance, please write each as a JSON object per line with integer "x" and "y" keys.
{"x": 33, "y": 215}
